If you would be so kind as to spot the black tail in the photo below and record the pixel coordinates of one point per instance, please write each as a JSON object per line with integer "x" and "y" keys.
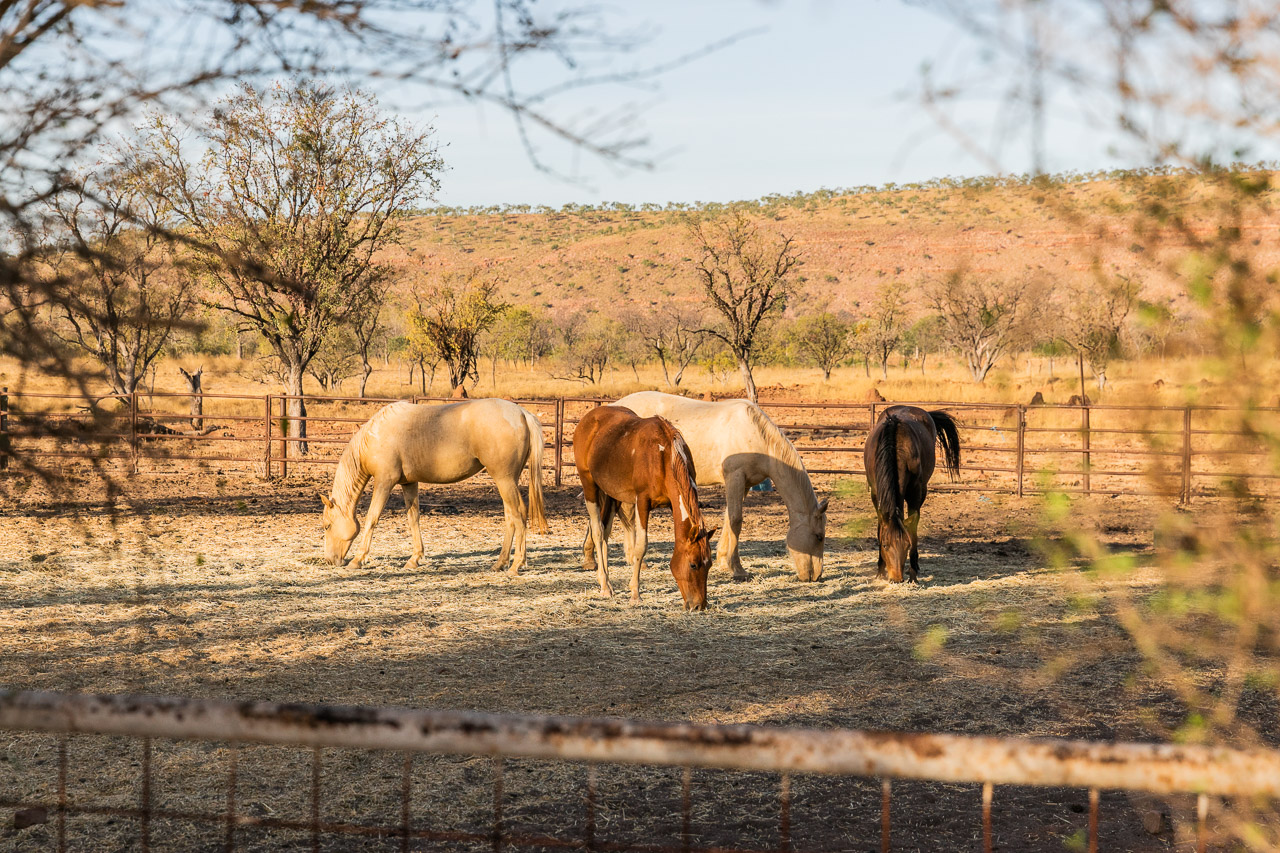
{"x": 888, "y": 491}
{"x": 949, "y": 438}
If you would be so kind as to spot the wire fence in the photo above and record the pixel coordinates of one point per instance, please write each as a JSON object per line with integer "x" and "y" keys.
{"x": 1182, "y": 452}
{"x": 783, "y": 754}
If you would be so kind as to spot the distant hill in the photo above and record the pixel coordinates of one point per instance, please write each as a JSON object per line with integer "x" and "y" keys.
{"x": 852, "y": 240}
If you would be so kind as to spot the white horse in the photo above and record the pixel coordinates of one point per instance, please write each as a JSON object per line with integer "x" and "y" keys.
{"x": 733, "y": 442}
{"x": 406, "y": 444}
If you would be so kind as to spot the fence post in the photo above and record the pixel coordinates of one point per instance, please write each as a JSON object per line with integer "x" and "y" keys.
{"x": 284, "y": 439}
{"x": 872, "y": 423}
{"x": 1186, "y": 455}
{"x": 266, "y": 436}
{"x": 133, "y": 432}
{"x": 5, "y": 448}
{"x": 1022, "y": 443}
{"x": 559, "y": 438}
{"x": 1084, "y": 443}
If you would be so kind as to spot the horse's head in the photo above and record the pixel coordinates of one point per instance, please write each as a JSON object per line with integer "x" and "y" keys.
{"x": 806, "y": 539}
{"x": 895, "y": 548}
{"x": 690, "y": 563}
{"x": 340, "y": 530}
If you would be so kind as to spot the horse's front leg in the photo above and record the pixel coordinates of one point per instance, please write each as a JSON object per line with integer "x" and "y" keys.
{"x": 638, "y": 537}
{"x": 913, "y": 524}
{"x": 596, "y": 533}
{"x": 381, "y": 491}
{"x": 410, "y": 491}
{"x": 735, "y": 491}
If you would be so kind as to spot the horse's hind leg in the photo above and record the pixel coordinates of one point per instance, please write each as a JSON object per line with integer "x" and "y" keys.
{"x": 410, "y": 491}
{"x": 596, "y": 528}
{"x": 607, "y": 512}
{"x": 377, "y": 501}
{"x": 913, "y": 523}
{"x": 513, "y": 526}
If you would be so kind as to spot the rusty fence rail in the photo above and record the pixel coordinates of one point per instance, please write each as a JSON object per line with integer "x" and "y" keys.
{"x": 1015, "y": 449}
{"x": 986, "y": 762}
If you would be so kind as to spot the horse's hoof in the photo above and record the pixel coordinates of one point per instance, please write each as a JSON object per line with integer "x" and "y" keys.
{"x": 514, "y": 571}
{"x": 354, "y": 564}
{"x": 410, "y": 564}
{"x": 741, "y": 576}
{"x": 606, "y": 593}
{"x": 635, "y": 600}
{"x": 497, "y": 567}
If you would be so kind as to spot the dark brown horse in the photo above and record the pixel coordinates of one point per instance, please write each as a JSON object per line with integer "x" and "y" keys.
{"x": 899, "y": 460}
{"x": 642, "y": 463}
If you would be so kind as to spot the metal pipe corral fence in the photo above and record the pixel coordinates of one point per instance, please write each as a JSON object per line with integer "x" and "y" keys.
{"x": 1174, "y": 451}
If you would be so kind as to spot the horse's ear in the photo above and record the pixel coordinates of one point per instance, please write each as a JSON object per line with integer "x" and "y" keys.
{"x": 710, "y": 534}
{"x": 822, "y": 505}
{"x": 324, "y": 499}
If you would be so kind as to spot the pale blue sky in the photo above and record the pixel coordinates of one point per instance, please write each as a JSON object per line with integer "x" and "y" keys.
{"x": 825, "y": 96}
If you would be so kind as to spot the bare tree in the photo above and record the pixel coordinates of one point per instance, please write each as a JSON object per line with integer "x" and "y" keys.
{"x": 297, "y": 190}
{"x": 985, "y": 318}
{"x": 673, "y": 332}
{"x": 195, "y": 381}
{"x": 452, "y": 315}
{"x": 123, "y": 290}
{"x": 824, "y": 339}
{"x": 746, "y": 276}
{"x": 367, "y": 328}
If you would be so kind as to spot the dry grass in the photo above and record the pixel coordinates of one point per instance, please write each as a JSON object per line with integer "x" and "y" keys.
{"x": 207, "y": 588}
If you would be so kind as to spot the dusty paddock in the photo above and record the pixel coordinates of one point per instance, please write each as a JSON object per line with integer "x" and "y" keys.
{"x": 213, "y": 586}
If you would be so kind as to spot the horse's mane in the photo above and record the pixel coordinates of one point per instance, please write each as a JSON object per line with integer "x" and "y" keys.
{"x": 780, "y": 447}
{"x": 888, "y": 491}
{"x": 683, "y": 471}
{"x": 350, "y": 479}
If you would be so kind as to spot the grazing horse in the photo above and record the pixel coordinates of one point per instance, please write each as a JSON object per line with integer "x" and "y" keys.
{"x": 406, "y": 444}
{"x": 623, "y": 458}
{"x": 733, "y": 442}
{"x": 899, "y": 460}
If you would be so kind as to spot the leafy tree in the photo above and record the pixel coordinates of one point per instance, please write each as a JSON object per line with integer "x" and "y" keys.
{"x": 296, "y": 191}
{"x": 985, "y": 318}
{"x": 884, "y": 327}
{"x": 746, "y": 276}
{"x": 923, "y": 339}
{"x": 1092, "y": 316}
{"x": 452, "y": 315}
{"x": 823, "y": 340}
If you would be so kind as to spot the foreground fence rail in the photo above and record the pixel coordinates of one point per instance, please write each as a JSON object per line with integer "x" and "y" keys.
{"x": 1016, "y": 449}
{"x": 984, "y": 761}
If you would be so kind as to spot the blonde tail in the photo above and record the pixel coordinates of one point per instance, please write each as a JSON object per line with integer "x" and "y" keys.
{"x": 537, "y": 511}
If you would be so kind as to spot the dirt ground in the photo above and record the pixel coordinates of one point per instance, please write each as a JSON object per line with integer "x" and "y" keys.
{"x": 213, "y": 586}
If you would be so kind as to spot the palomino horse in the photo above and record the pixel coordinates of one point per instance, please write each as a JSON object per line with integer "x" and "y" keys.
{"x": 899, "y": 459}
{"x": 733, "y": 442}
{"x": 408, "y": 444}
{"x": 623, "y": 458}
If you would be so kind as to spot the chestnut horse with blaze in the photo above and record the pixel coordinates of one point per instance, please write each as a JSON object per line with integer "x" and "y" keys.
{"x": 899, "y": 461}
{"x": 624, "y": 459}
